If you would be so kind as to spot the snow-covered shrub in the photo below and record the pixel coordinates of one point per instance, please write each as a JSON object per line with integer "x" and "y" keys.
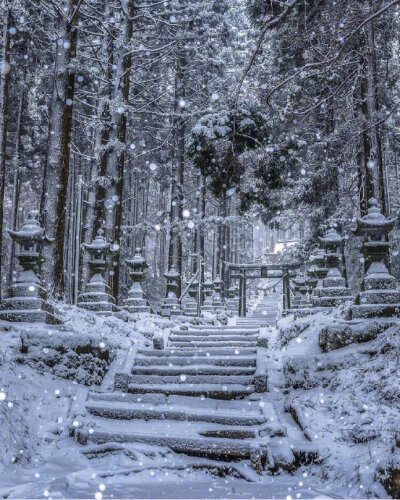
{"x": 289, "y": 331}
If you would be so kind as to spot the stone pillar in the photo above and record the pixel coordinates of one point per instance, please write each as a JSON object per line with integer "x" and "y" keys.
{"x": 333, "y": 291}
{"x": 27, "y": 300}
{"x": 378, "y": 296}
{"x": 136, "y": 301}
{"x": 171, "y": 306}
{"x": 97, "y": 296}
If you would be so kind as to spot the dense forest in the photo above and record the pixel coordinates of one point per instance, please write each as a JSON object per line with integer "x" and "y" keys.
{"x": 173, "y": 125}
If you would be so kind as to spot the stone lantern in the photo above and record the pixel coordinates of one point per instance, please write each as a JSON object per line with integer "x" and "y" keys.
{"x": 136, "y": 302}
{"x": 171, "y": 306}
{"x": 378, "y": 296}
{"x": 208, "y": 290}
{"x": 217, "y": 301}
{"x": 232, "y": 303}
{"x": 97, "y": 296}
{"x": 191, "y": 299}
{"x": 333, "y": 291}
{"x": 27, "y": 298}
{"x": 301, "y": 292}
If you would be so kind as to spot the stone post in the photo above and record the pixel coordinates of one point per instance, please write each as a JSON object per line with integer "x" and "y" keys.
{"x": 27, "y": 300}
{"x": 136, "y": 301}
{"x": 97, "y": 296}
{"x": 171, "y": 306}
{"x": 378, "y": 296}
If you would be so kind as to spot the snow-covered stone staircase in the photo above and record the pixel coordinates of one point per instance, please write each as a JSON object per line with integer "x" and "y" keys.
{"x": 265, "y": 311}
{"x": 203, "y": 395}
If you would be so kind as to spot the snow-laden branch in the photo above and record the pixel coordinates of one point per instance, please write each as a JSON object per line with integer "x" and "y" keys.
{"x": 272, "y": 23}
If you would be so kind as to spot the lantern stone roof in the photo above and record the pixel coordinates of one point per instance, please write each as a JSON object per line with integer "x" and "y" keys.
{"x": 99, "y": 243}
{"x": 137, "y": 258}
{"x": 172, "y": 273}
{"x": 374, "y": 219}
{"x": 31, "y": 230}
{"x": 331, "y": 237}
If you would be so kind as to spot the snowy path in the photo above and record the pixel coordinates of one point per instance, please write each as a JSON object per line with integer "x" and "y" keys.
{"x": 215, "y": 419}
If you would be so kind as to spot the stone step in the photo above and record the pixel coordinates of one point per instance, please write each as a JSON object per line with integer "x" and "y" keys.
{"x": 213, "y": 338}
{"x": 213, "y": 391}
{"x": 219, "y": 333}
{"x": 189, "y": 379}
{"x": 212, "y": 344}
{"x": 220, "y": 329}
{"x": 235, "y": 360}
{"x": 198, "y": 369}
{"x": 200, "y": 445}
{"x": 131, "y": 411}
{"x": 233, "y": 351}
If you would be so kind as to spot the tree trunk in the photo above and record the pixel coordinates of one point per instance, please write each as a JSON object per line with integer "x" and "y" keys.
{"x": 373, "y": 112}
{"x": 4, "y": 111}
{"x": 178, "y": 169}
{"x": 117, "y": 147}
{"x": 56, "y": 175}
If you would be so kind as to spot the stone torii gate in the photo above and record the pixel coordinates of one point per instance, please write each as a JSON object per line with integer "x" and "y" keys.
{"x": 258, "y": 270}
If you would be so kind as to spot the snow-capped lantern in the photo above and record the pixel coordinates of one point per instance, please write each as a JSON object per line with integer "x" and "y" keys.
{"x": 98, "y": 251}
{"x": 375, "y": 228}
{"x": 97, "y": 296}
{"x": 379, "y": 297}
{"x": 232, "y": 303}
{"x": 217, "y": 301}
{"x": 208, "y": 289}
{"x": 333, "y": 291}
{"x": 31, "y": 239}
{"x": 172, "y": 276}
{"x": 136, "y": 302}
{"x": 218, "y": 284}
{"x": 190, "y": 302}
{"x": 137, "y": 266}
{"x": 171, "y": 304}
{"x": 27, "y": 298}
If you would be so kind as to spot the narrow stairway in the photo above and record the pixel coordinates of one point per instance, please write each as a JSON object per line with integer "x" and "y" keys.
{"x": 265, "y": 312}
{"x": 205, "y": 394}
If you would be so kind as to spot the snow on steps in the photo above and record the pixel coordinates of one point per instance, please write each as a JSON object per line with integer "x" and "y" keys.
{"x": 191, "y": 399}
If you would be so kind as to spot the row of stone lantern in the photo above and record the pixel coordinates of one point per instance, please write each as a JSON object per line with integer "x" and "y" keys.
{"x": 378, "y": 296}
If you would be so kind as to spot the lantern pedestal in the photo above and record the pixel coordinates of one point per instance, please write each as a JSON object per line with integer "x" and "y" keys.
{"x": 378, "y": 297}
{"x": 27, "y": 301}
{"x": 97, "y": 296}
{"x": 136, "y": 301}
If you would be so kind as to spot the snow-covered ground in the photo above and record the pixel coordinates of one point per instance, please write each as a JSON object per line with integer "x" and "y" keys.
{"x": 349, "y": 400}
